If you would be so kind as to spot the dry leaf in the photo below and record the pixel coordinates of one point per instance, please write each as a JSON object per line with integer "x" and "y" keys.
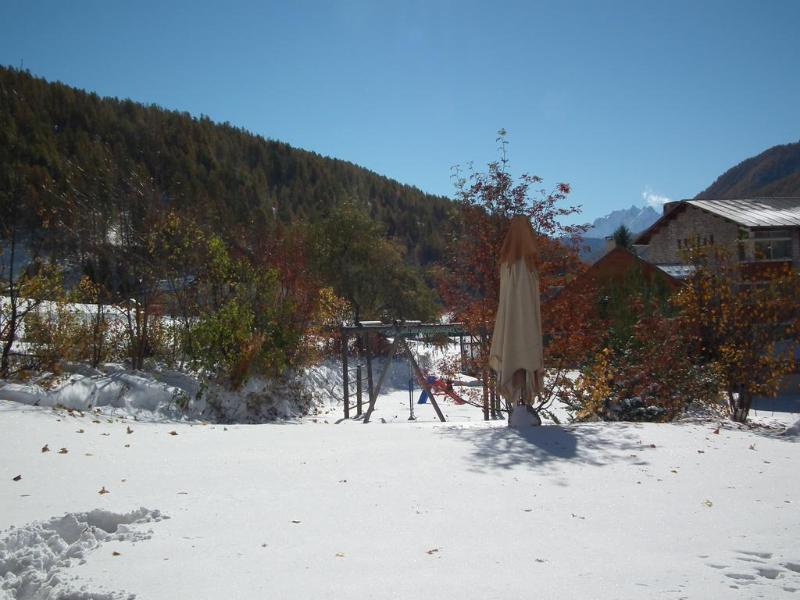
{"x": 115, "y": 553}
{"x": 173, "y": 433}
{"x": 340, "y": 555}
{"x": 708, "y": 503}
{"x": 129, "y": 429}
{"x": 18, "y": 477}
{"x": 103, "y": 490}
{"x": 433, "y": 551}
{"x": 45, "y": 448}
{"x": 80, "y": 431}
{"x": 63, "y": 451}
{"x": 295, "y": 521}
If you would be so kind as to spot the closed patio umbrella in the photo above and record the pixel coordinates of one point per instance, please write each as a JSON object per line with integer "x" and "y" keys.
{"x": 516, "y": 352}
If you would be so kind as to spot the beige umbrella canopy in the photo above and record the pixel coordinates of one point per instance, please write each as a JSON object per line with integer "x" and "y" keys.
{"x": 516, "y": 352}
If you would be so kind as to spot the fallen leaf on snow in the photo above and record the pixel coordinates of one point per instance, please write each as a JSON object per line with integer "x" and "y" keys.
{"x": 295, "y": 521}
{"x": 340, "y": 555}
{"x": 433, "y": 551}
{"x": 708, "y": 503}
{"x": 45, "y": 448}
{"x": 103, "y": 490}
{"x": 63, "y": 451}
{"x": 173, "y": 432}
{"x": 80, "y": 431}
{"x": 18, "y": 477}
{"x": 115, "y": 553}
{"x": 129, "y": 429}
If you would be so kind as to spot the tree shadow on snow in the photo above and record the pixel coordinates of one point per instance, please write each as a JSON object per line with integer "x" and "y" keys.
{"x": 548, "y": 445}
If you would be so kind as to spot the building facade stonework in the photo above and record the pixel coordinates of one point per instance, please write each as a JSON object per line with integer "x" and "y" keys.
{"x": 690, "y": 228}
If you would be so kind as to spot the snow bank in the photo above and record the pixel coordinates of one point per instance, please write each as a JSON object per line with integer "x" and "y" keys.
{"x": 793, "y": 431}
{"x": 129, "y": 392}
{"x": 34, "y": 558}
{"x": 165, "y": 394}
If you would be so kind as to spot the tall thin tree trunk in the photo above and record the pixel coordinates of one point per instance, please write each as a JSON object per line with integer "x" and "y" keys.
{"x": 739, "y": 405}
{"x": 11, "y": 330}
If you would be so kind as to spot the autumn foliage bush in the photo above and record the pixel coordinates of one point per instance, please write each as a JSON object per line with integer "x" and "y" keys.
{"x": 646, "y": 375}
{"x": 730, "y": 331}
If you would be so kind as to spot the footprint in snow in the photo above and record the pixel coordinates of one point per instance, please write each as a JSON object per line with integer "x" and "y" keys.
{"x": 758, "y": 554}
{"x": 763, "y": 571}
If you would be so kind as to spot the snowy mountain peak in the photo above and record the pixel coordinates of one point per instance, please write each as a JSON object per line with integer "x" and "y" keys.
{"x": 635, "y": 218}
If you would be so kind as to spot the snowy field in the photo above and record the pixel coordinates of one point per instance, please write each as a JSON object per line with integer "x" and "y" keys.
{"x": 314, "y": 509}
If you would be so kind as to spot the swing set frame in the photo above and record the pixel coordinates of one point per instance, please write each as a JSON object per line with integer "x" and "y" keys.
{"x": 399, "y": 330}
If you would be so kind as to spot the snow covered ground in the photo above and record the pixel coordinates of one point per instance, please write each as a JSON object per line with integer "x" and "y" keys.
{"x": 309, "y": 509}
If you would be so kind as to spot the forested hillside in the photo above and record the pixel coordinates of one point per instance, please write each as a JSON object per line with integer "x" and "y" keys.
{"x": 773, "y": 173}
{"x": 255, "y": 250}
{"x": 85, "y": 156}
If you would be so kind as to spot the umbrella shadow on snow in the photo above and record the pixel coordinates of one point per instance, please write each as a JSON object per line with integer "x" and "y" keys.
{"x": 547, "y": 446}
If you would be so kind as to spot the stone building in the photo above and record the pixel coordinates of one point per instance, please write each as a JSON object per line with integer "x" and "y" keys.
{"x": 756, "y": 230}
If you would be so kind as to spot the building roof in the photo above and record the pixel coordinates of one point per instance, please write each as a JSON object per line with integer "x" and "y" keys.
{"x": 613, "y": 266}
{"x": 677, "y": 271}
{"x": 747, "y": 212}
{"x": 756, "y": 212}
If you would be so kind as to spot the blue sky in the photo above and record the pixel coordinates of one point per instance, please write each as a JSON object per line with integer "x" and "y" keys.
{"x": 620, "y": 99}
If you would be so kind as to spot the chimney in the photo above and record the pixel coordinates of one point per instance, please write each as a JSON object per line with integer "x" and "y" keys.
{"x": 668, "y": 206}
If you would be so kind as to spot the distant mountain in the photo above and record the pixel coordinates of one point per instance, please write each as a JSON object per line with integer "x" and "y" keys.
{"x": 773, "y": 173}
{"x": 635, "y": 218}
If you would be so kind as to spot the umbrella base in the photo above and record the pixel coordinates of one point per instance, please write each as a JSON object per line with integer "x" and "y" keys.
{"x": 524, "y": 416}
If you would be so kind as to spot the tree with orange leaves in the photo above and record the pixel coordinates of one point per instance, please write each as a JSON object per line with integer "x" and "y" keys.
{"x": 470, "y": 284}
{"x": 744, "y": 322}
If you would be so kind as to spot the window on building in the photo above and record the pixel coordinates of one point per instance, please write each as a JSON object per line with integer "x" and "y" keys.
{"x": 765, "y": 244}
{"x": 742, "y": 243}
{"x": 772, "y": 244}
